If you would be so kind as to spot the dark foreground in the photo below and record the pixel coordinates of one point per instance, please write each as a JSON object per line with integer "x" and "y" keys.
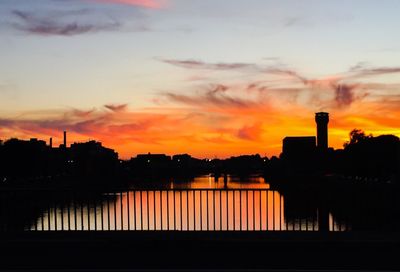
{"x": 199, "y": 250}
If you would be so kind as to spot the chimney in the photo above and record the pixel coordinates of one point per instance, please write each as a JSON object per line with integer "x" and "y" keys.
{"x": 322, "y": 120}
{"x": 51, "y": 142}
{"x": 65, "y": 139}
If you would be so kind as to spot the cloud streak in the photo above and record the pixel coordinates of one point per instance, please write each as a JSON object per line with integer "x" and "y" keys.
{"x": 151, "y": 4}
{"x": 363, "y": 70}
{"x": 116, "y": 108}
{"x": 214, "y": 96}
{"x": 49, "y": 25}
{"x": 195, "y": 64}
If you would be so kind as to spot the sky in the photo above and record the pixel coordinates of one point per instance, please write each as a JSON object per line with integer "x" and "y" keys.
{"x": 212, "y": 78}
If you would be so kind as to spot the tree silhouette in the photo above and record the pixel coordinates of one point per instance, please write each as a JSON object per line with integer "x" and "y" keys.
{"x": 356, "y": 136}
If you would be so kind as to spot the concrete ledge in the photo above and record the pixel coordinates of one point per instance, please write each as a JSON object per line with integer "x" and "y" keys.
{"x": 200, "y": 250}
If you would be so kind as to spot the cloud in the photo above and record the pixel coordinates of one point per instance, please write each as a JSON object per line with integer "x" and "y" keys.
{"x": 377, "y": 71}
{"x": 284, "y": 85}
{"x": 363, "y": 69}
{"x": 344, "y": 94}
{"x": 151, "y": 4}
{"x": 216, "y": 96}
{"x": 276, "y": 70}
{"x": 111, "y": 126}
{"x": 82, "y": 113}
{"x": 251, "y": 133}
{"x": 50, "y": 25}
{"x": 345, "y": 86}
{"x": 116, "y": 108}
{"x": 195, "y": 64}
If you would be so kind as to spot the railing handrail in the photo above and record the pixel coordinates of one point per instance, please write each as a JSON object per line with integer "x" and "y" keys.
{"x": 122, "y": 189}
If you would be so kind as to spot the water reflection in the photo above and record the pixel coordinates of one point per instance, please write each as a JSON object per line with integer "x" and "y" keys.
{"x": 205, "y": 182}
{"x": 172, "y": 210}
{"x": 186, "y": 206}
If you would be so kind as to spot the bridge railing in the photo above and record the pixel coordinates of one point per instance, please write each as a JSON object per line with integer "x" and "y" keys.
{"x": 185, "y": 210}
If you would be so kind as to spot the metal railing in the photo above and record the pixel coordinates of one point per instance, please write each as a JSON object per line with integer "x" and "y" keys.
{"x": 166, "y": 210}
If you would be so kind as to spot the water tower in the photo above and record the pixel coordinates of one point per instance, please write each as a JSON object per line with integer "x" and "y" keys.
{"x": 322, "y": 120}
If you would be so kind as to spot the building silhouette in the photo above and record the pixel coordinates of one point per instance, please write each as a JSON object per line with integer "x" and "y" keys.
{"x": 298, "y": 146}
{"x": 307, "y": 154}
{"x": 322, "y": 120}
{"x": 306, "y": 146}
{"x": 91, "y": 159}
{"x": 24, "y": 161}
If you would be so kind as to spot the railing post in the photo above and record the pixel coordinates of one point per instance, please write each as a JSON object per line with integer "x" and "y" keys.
{"x": 323, "y": 215}
{"x": 154, "y": 210}
{"x": 148, "y": 210}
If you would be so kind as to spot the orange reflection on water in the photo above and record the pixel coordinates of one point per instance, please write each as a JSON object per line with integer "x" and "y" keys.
{"x": 199, "y": 210}
{"x": 181, "y": 210}
{"x": 231, "y": 182}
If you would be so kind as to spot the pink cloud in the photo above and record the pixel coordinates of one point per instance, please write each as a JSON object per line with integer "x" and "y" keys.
{"x": 152, "y": 4}
{"x": 251, "y": 133}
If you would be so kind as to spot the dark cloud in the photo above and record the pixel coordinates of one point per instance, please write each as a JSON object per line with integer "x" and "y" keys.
{"x": 344, "y": 94}
{"x": 362, "y": 69}
{"x": 52, "y": 25}
{"x": 116, "y": 108}
{"x": 379, "y": 71}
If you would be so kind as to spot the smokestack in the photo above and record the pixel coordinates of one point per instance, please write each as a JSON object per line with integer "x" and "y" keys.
{"x": 65, "y": 139}
{"x": 322, "y": 120}
{"x": 51, "y": 142}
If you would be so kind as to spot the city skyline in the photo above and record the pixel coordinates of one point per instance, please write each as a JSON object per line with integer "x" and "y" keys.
{"x": 198, "y": 77}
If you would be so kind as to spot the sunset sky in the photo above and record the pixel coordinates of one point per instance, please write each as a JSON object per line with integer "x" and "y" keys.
{"x": 213, "y": 78}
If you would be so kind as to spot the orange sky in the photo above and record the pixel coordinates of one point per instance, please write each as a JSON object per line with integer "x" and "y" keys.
{"x": 216, "y": 122}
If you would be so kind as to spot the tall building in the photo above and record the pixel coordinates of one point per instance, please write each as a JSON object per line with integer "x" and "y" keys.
{"x": 322, "y": 120}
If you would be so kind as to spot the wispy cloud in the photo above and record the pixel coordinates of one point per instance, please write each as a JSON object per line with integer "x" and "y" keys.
{"x": 116, "y": 108}
{"x": 212, "y": 96}
{"x": 282, "y": 84}
{"x": 152, "y": 4}
{"x": 360, "y": 71}
{"x": 50, "y": 25}
{"x": 195, "y": 64}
